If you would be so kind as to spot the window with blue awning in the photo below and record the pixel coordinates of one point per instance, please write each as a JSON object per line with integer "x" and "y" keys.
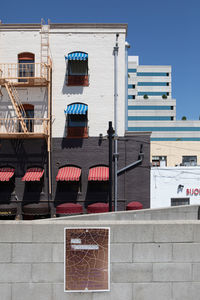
{"x": 76, "y": 109}
{"x": 77, "y": 56}
{"x": 77, "y": 120}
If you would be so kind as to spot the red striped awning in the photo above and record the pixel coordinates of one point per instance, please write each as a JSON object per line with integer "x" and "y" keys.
{"x": 99, "y": 174}
{"x": 6, "y": 174}
{"x": 33, "y": 174}
{"x": 68, "y": 174}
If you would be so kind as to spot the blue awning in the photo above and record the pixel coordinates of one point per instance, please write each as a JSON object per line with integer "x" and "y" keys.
{"x": 76, "y": 109}
{"x": 77, "y": 56}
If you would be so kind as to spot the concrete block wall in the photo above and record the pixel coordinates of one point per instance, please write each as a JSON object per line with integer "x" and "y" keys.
{"x": 149, "y": 260}
{"x": 184, "y": 212}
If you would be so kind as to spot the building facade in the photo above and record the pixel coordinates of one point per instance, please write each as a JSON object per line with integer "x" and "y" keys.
{"x": 57, "y": 97}
{"x": 151, "y": 108}
{"x": 173, "y": 186}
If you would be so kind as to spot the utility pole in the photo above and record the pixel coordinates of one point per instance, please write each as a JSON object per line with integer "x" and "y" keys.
{"x": 115, "y": 50}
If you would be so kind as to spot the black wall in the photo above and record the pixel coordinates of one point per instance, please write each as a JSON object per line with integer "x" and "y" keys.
{"x": 22, "y": 154}
{"x": 133, "y": 185}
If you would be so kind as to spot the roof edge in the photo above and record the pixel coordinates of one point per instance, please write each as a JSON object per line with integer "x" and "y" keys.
{"x": 66, "y": 25}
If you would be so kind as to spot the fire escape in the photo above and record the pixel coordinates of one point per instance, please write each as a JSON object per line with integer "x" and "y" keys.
{"x": 14, "y": 75}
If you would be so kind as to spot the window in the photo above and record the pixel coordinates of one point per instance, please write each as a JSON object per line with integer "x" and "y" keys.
{"x": 150, "y": 107}
{"x": 26, "y": 66}
{"x": 34, "y": 182}
{"x": 7, "y": 184}
{"x": 152, "y": 74}
{"x": 189, "y": 160}
{"x": 68, "y": 184}
{"x": 77, "y": 69}
{"x": 148, "y": 118}
{"x": 98, "y": 184}
{"x": 77, "y": 120}
{"x": 152, "y": 93}
{"x": 131, "y": 86}
{"x": 180, "y": 201}
{"x": 132, "y": 70}
{"x": 28, "y": 114}
{"x": 159, "y": 161}
{"x": 152, "y": 83}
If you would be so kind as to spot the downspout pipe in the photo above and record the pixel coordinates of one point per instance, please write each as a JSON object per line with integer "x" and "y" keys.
{"x": 135, "y": 163}
{"x": 115, "y": 50}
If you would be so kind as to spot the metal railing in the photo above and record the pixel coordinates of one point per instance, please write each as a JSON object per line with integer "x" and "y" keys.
{"x": 34, "y": 125}
{"x": 23, "y": 71}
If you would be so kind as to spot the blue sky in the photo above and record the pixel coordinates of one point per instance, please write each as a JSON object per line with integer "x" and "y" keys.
{"x": 160, "y": 32}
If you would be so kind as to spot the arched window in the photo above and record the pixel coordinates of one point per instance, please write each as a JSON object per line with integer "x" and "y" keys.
{"x": 7, "y": 184}
{"x": 68, "y": 184}
{"x": 28, "y": 114}
{"x": 34, "y": 182}
{"x": 77, "y": 69}
{"x": 98, "y": 184}
{"x": 77, "y": 120}
{"x": 26, "y": 62}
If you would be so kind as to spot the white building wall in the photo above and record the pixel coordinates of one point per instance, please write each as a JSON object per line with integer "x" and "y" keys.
{"x": 165, "y": 184}
{"x": 99, "y": 95}
{"x": 98, "y": 41}
{"x": 15, "y": 40}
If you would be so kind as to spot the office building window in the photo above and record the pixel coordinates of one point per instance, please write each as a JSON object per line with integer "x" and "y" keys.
{"x": 159, "y": 161}
{"x": 152, "y": 83}
{"x": 131, "y": 86}
{"x": 152, "y": 93}
{"x": 180, "y": 201}
{"x": 189, "y": 160}
{"x": 152, "y": 74}
{"x": 132, "y": 70}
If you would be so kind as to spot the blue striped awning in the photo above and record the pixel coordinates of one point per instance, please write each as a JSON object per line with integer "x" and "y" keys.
{"x": 77, "y": 56}
{"x": 76, "y": 109}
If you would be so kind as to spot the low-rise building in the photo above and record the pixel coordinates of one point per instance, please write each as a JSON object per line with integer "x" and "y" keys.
{"x": 57, "y": 97}
{"x": 173, "y": 186}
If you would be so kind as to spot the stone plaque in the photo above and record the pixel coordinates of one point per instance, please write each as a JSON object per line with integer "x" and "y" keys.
{"x": 87, "y": 259}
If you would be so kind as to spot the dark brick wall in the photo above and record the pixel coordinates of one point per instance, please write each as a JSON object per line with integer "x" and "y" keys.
{"x": 22, "y": 154}
{"x": 133, "y": 185}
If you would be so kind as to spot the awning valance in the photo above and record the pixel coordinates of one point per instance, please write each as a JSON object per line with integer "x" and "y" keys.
{"x": 6, "y": 174}
{"x": 76, "y": 109}
{"x": 100, "y": 173}
{"x": 77, "y": 56}
{"x": 68, "y": 174}
{"x": 33, "y": 174}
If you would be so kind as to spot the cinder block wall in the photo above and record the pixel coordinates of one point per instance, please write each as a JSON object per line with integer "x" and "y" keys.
{"x": 149, "y": 260}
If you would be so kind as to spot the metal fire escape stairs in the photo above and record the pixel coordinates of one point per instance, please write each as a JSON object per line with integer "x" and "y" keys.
{"x": 45, "y": 63}
{"x": 44, "y": 57}
{"x": 19, "y": 109}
